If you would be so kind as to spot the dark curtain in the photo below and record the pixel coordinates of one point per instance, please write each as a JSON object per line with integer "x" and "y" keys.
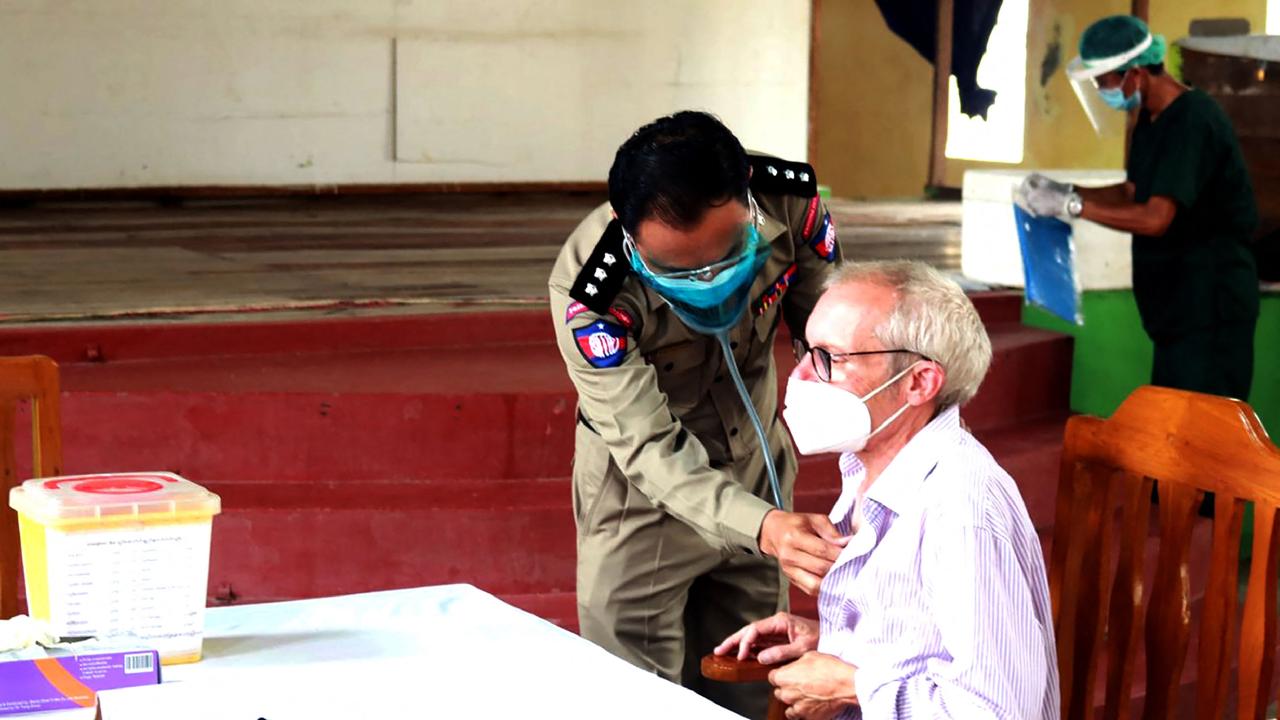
{"x": 1267, "y": 253}
{"x": 914, "y": 21}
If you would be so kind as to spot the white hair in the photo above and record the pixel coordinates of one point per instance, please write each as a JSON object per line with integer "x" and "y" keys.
{"x": 931, "y": 316}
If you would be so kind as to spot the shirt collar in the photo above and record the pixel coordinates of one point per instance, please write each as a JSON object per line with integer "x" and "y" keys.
{"x": 897, "y": 488}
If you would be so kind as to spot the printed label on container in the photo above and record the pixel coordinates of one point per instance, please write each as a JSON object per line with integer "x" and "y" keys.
{"x": 149, "y": 581}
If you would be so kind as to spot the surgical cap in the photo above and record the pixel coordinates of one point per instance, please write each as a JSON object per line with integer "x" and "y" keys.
{"x": 1114, "y": 37}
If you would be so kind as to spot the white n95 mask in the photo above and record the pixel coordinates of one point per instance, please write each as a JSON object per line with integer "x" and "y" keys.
{"x": 824, "y": 418}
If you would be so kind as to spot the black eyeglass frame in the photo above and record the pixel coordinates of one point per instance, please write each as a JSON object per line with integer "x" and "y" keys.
{"x": 823, "y": 369}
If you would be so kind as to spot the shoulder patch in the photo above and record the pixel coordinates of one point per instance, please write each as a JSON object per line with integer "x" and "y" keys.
{"x": 575, "y": 309}
{"x": 824, "y": 241}
{"x": 782, "y": 177}
{"x": 602, "y": 343}
{"x": 602, "y": 276}
{"x": 623, "y": 317}
{"x": 810, "y": 217}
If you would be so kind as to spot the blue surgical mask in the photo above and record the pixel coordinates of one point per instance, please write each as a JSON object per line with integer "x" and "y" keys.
{"x": 1115, "y": 98}
{"x": 715, "y": 304}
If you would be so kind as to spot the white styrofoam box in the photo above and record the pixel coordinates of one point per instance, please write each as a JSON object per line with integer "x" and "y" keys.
{"x": 989, "y": 250}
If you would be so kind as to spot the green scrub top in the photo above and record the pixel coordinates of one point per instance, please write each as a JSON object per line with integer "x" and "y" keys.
{"x": 1197, "y": 285}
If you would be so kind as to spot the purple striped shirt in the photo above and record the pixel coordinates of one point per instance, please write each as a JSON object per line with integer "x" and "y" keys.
{"x": 940, "y": 599}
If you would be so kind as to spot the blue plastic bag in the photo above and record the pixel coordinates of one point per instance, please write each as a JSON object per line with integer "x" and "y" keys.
{"x": 1048, "y": 265}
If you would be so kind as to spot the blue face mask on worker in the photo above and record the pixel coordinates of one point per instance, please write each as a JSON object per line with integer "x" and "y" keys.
{"x": 711, "y": 299}
{"x": 1116, "y": 99}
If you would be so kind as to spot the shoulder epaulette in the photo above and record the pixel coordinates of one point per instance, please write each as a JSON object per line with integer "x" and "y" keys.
{"x": 782, "y": 177}
{"x": 602, "y": 276}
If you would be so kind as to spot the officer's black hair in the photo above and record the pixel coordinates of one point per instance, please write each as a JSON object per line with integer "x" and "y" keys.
{"x": 1155, "y": 68}
{"x": 676, "y": 168}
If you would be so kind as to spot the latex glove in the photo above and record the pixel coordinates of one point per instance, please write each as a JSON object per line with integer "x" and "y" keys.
{"x": 21, "y": 632}
{"x": 1039, "y": 182}
{"x": 1043, "y": 197}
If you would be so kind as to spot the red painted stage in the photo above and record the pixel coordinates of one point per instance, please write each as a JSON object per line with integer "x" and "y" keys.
{"x": 365, "y": 453}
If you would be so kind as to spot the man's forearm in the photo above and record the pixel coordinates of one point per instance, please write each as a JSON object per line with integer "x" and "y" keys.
{"x": 918, "y": 696}
{"x": 1150, "y": 218}
{"x": 1108, "y": 194}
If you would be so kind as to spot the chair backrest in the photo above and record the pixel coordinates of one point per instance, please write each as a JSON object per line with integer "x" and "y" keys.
{"x": 1185, "y": 443}
{"x": 32, "y": 379}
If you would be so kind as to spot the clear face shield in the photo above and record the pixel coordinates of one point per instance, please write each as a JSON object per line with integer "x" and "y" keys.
{"x": 1107, "y": 121}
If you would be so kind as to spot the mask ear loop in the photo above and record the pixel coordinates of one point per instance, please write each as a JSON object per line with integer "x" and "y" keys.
{"x": 886, "y": 384}
{"x": 723, "y": 337}
{"x": 890, "y": 419}
{"x": 753, "y": 208}
{"x": 629, "y": 250}
{"x": 890, "y": 381}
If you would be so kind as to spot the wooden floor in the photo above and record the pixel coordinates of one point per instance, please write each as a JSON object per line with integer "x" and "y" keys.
{"x": 310, "y": 256}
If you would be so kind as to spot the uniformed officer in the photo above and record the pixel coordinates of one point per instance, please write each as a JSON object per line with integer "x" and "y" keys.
{"x": 675, "y": 522}
{"x": 1188, "y": 203}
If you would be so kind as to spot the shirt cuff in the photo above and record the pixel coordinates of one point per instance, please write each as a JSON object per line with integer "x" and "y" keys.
{"x": 740, "y": 524}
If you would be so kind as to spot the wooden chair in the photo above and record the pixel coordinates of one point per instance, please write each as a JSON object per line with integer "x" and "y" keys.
{"x": 34, "y": 379}
{"x": 1187, "y": 443}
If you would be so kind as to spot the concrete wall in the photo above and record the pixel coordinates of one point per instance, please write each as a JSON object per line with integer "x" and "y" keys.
{"x": 1113, "y": 354}
{"x": 100, "y": 93}
{"x": 874, "y": 93}
{"x": 874, "y": 99}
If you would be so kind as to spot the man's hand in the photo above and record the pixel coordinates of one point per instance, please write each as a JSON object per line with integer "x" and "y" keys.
{"x": 777, "y": 639}
{"x": 805, "y": 544}
{"x": 815, "y": 687}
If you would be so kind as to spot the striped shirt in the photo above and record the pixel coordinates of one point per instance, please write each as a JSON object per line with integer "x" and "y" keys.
{"x": 940, "y": 599}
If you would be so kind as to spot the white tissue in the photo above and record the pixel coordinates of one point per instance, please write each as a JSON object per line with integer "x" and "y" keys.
{"x": 20, "y": 632}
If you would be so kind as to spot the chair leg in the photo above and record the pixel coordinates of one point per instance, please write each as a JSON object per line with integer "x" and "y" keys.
{"x": 9, "y": 547}
{"x": 10, "y": 555}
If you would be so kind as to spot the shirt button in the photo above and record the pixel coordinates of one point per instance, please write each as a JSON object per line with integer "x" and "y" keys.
{"x": 733, "y": 432}
{"x": 719, "y": 378}
{"x": 734, "y": 345}
{"x": 668, "y": 367}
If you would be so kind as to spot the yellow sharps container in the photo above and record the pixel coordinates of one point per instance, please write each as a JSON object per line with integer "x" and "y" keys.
{"x": 119, "y": 554}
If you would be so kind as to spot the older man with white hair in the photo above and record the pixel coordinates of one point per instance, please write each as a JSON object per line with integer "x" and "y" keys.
{"x": 938, "y": 605}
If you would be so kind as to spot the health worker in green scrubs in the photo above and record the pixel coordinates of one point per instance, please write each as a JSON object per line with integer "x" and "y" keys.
{"x": 1188, "y": 204}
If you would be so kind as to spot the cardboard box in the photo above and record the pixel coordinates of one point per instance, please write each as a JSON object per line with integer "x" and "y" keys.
{"x": 65, "y": 679}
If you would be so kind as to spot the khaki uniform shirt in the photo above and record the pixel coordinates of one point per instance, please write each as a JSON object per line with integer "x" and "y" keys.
{"x": 658, "y": 395}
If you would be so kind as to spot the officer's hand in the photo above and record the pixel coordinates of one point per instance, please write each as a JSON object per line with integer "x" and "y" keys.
{"x": 805, "y": 544}
{"x": 775, "y": 639}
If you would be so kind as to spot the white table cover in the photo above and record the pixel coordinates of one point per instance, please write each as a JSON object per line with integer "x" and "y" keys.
{"x": 450, "y": 651}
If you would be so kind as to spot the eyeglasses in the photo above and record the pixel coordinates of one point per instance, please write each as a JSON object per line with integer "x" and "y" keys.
{"x": 822, "y": 357}
{"x": 709, "y": 272}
